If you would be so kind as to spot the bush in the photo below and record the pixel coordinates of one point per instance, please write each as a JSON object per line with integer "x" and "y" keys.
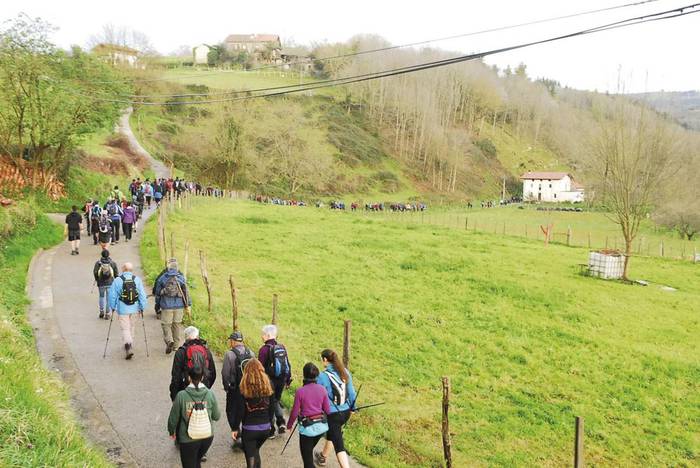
{"x": 487, "y": 147}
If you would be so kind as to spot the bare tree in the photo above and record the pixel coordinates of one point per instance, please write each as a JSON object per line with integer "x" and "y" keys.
{"x": 632, "y": 159}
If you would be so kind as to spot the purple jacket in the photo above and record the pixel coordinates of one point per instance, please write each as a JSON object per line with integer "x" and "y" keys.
{"x": 310, "y": 400}
{"x": 264, "y": 357}
{"x": 129, "y": 215}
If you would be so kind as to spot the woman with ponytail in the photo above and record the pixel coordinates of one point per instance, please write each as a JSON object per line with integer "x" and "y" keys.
{"x": 337, "y": 381}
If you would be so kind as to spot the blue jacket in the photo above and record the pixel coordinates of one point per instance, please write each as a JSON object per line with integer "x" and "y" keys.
{"x": 171, "y": 302}
{"x": 325, "y": 381}
{"x": 115, "y": 291}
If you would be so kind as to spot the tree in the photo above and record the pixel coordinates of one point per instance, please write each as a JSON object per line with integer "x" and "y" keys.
{"x": 680, "y": 209}
{"x": 230, "y": 153}
{"x": 632, "y": 159}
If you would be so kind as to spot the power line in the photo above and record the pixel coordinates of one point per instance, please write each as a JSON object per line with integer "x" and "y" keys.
{"x": 400, "y": 46}
{"x": 664, "y": 15}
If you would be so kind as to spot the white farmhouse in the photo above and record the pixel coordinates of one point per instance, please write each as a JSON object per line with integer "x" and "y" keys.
{"x": 200, "y": 53}
{"x": 117, "y": 55}
{"x": 551, "y": 187}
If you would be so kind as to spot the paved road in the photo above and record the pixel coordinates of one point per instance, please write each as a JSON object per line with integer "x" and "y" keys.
{"x": 125, "y": 404}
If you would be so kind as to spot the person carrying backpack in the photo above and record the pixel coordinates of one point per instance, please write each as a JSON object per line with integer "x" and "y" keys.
{"x": 254, "y": 412}
{"x": 337, "y": 381}
{"x": 128, "y": 298}
{"x": 104, "y": 231}
{"x": 73, "y": 224}
{"x": 273, "y": 356}
{"x": 193, "y": 352}
{"x": 95, "y": 214}
{"x": 148, "y": 192}
{"x": 172, "y": 295}
{"x": 105, "y": 271}
{"x": 235, "y": 361}
{"x": 310, "y": 410}
{"x": 114, "y": 211}
{"x": 190, "y": 420}
{"x": 128, "y": 220}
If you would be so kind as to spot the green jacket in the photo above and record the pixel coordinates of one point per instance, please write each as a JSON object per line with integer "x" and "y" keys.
{"x": 182, "y": 406}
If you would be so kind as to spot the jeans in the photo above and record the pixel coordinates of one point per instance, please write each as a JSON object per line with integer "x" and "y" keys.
{"x": 103, "y": 298}
{"x": 191, "y": 453}
{"x": 115, "y": 231}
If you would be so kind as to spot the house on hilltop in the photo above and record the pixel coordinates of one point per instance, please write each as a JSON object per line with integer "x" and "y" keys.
{"x": 117, "y": 54}
{"x": 200, "y": 54}
{"x": 551, "y": 187}
{"x": 296, "y": 57}
{"x": 264, "y": 46}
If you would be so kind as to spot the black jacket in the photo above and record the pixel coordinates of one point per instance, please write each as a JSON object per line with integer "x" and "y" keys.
{"x": 96, "y": 272}
{"x": 178, "y": 374}
{"x": 253, "y": 412}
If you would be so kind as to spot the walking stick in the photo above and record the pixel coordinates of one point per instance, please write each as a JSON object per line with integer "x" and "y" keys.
{"x": 109, "y": 329}
{"x": 145, "y": 338}
{"x": 290, "y": 437}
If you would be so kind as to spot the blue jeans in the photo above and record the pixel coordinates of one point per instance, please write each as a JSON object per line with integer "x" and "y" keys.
{"x": 103, "y": 298}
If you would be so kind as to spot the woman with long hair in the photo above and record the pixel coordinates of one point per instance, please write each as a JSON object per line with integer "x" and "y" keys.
{"x": 310, "y": 410}
{"x": 337, "y": 381}
{"x": 255, "y": 412}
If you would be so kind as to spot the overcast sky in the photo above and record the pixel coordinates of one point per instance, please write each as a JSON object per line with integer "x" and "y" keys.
{"x": 654, "y": 56}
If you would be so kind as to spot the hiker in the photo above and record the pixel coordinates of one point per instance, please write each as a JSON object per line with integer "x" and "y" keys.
{"x": 95, "y": 214}
{"x": 148, "y": 192}
{"x": 158, "y": 196}
{"x": 104, "y": 233}
{"x": 128, "y": 220}
{"x": 337, "y": 381}
{"x": 117, "y": 194}
{"x": 74, "y": 222}
{"x": 127, "y": 298}
{"x": 87, "y": 212}
{"x": 255, "y": 412}
{"x": 105, "y": 271}
{"x": 235, "y": 361}
{"x": 173, "y": 298}
{"x": 193, "y": 351}
{"x": 115, "y": 213}
{"x": 310, "y": 410}
{"x": 274, "y": 359}
{"x": 190, "y": 420}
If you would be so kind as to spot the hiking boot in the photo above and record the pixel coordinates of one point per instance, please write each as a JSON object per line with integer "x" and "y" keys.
{"x": 204, "y": 458}
{"x": 320, "y": 459}
{"x": 281, "y": 430}
{"x": 72, "y": 252}
{"x": 102, "y": 314}
{"x": 108, "y": 315}
{"x": 129, "y": 352}
{"x": 77, "y": 252}
{"x": 169, "y": 347}
{"x": 272, "y": 434}
{"x": 158, "y": 316}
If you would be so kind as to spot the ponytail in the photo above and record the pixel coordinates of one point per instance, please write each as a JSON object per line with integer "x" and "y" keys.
{"x": 332, "y": 357}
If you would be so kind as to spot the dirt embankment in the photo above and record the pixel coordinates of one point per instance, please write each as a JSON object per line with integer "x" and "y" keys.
{"x": 119, "y": 159}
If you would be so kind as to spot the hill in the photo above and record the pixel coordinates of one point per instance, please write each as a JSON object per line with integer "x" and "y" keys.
{"x": 683, "y": 106}
{"x": 526, "y": 349}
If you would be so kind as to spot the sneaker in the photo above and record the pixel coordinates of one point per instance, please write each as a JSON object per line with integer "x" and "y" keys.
{"x": 169, "y": 347}
{"x": 108, "y": 316}
{"x": 272, "y": 434}
{"x": 204, "y": 458}
{"x": 320, "y": 459}
{"x": 77, "y": 252}
{"x": 281, "y": 429}
{"x": 72, "y": 252}
{"x": 129, "y": 352}
{"x": 102, "y": 314}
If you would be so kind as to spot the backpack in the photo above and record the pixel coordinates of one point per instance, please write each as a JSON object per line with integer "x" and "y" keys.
{"x": 112, "y": 209}
{"x": 105, "y": 272}
{"x": 277, "y": 362}
{"x": 197, "y": 355}
{"x": 340, "y": 388}
{"x": 130, "y": 293}
{"x": 199, "y": 424}
{"x": 172, "y": 288}
{"x": 104, "y": 226}
{"x": 242, "y": 359}
{"x": 96, "y": 211}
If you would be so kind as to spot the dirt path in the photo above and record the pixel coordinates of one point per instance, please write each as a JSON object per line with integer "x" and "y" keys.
{"x": 125, "y": 404}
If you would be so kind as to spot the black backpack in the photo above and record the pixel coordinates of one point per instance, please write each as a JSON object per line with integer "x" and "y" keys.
{"x": 130, "y": 293}
{"x": 277, "y": 361}
{"x": 105, "y": 271}
{"x": 241, "y": 361}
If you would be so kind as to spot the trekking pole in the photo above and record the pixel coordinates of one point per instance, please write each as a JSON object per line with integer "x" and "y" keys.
{"x": 370, "y": 406}
{"x": 109, "y": 329}
{"x": 145, "y": 338}
{"x": 290, "y": 436}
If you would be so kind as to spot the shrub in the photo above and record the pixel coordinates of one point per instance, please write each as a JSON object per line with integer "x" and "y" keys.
{"x": 487, "y": 147}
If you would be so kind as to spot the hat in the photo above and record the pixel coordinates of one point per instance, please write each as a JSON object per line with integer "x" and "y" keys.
{"x": 172, "y": 264}
{"x": 105, "y": 253}
{"x": 236, "y": 336}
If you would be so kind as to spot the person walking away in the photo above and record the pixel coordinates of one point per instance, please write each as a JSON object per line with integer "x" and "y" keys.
{"x": 235, "y": 361}
{"x": 158, "y": 196}
{"x": 148, "y": 193}
{"x": 104, "y": 234}
{"x": 74, "y": 222}
{"x": 310, "y": 409}
{"x": 173, "y": 298}
{"x": 190, "y": 420}
{"x": 115, "y": 217}
{"x": 95, "y": 214}
{"x": 127, "y": 298}
{"x": 104, "y": 271}
{"x": 337, "y": 381}
{"x": 87, "y": 212}
{"x": 273, "y": 356}
{"x": 128, "y": 220}
{"x": 193, "y": 351}
{"x": 116, "y": 194}
{"x": 255, "y": 412}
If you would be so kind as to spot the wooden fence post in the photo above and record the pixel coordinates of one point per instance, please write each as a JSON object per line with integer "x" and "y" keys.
{"x": 661, "y": 248}
{"x": 526, "y": 231}
{"x": 165, "y": 246}
{"x": 466, "y": 223}
{"x": 578, "y": 444}
{"x": 606, "y": 242}
{"x": 274, "y": 309}
{"x": 568, "y": 236}
{"x": 346, "y": 342}
{"x": 187, "y": 257}
{"x": 234, "y": 304}
{"x": 172, "y": 244}
{"x": 205, "y": 278}
{"x": 446, "y": 440}
{"x": 504, "y": 228}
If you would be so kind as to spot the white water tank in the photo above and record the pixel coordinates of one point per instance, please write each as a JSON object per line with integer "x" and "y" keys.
{"x": 606, "y": 264}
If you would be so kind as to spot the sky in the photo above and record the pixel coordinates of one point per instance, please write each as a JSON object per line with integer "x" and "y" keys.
{"x": 655, "y": 56}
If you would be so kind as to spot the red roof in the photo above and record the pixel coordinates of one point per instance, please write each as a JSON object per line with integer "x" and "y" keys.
{"x": 544, "y": 175}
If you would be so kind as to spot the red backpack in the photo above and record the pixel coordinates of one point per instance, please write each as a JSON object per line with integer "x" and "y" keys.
{"x": 197, "y": 355}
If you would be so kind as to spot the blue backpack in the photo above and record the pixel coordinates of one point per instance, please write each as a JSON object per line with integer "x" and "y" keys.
{"x": 277, "y": 362}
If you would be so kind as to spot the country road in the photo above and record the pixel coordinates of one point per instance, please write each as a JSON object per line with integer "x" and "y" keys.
{"x": 124, "y": 404}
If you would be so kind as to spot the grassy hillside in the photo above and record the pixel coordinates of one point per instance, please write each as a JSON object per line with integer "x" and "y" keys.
{"x": 527, "y": 349}
{"x": 38, "y": 426}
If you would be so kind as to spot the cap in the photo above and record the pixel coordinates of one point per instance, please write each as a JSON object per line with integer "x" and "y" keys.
{"x": 236, "y": 336}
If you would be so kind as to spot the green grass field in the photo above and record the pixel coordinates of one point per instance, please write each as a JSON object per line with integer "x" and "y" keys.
{"x": 236, "y": 79}
{"x": 527, "y": 342}
{"x": 37, "y": 423}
